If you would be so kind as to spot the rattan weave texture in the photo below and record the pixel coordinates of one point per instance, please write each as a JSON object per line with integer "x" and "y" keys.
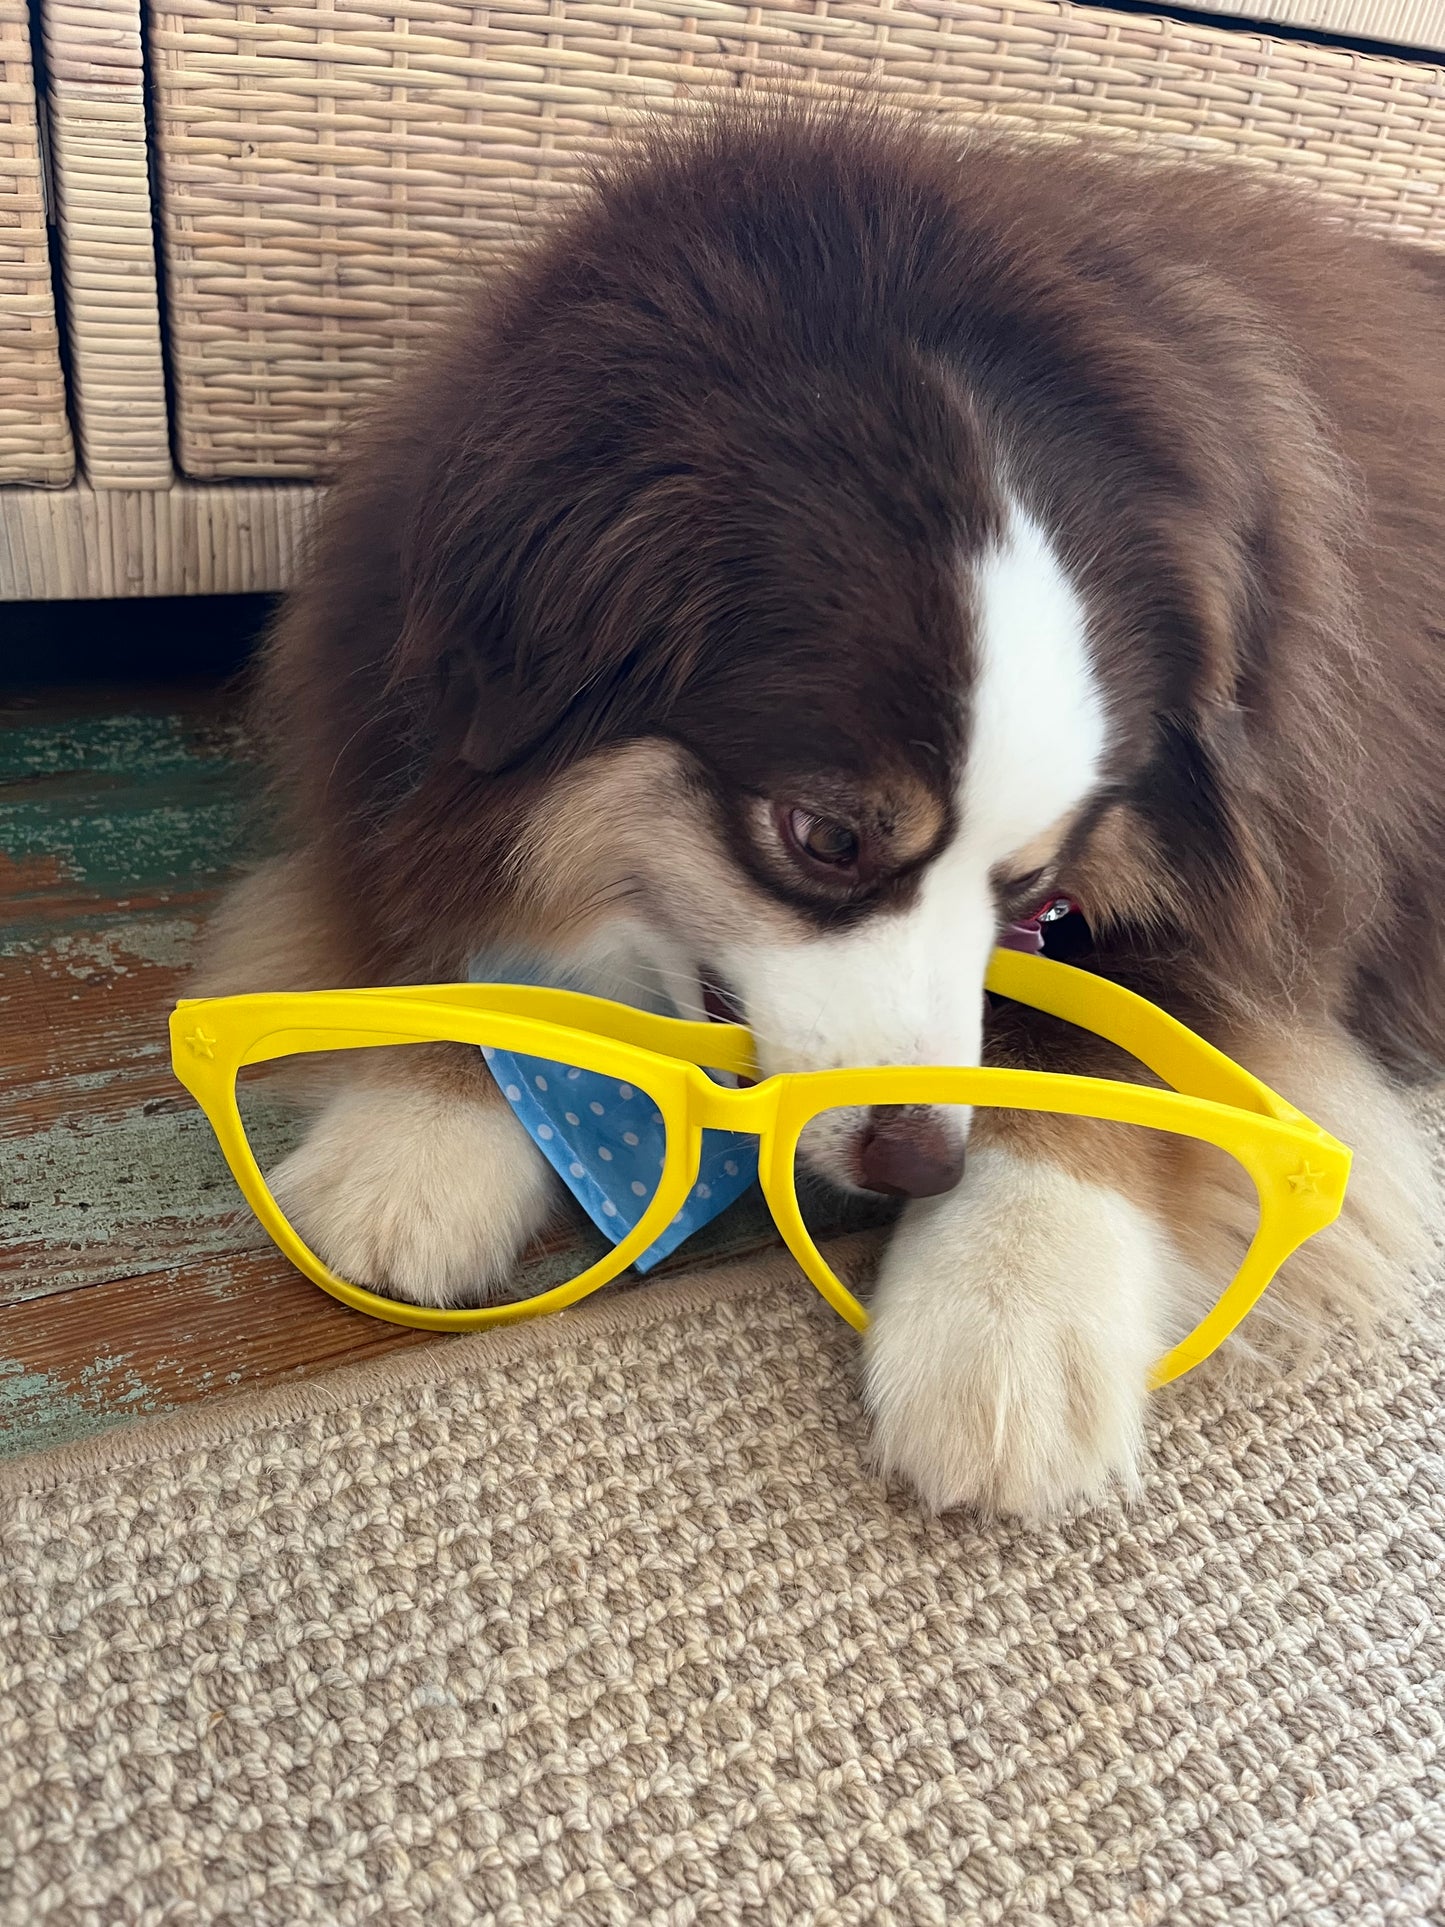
{"x": 35, "y": 443}
{"x": 328, "y": 167}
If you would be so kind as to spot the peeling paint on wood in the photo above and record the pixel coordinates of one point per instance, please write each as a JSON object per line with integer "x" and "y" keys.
{"x": 38, "y": 1409}
{"x": 132, "y": 1279}
{"x": 84, "y": 1198}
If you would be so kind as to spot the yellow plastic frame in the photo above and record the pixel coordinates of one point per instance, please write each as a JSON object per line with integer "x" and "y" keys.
{"x": 1298, "y": 1169}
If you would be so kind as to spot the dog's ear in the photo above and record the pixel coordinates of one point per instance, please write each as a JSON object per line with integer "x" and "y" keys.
{"x": 461, "y": 655}
{"x": 1207, "y": 811}
{"x": 525, "y": 620}
{"x": 476, "y": 713}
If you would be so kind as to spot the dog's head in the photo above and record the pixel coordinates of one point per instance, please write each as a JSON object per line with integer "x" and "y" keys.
{"x": 876, "y": 767}
{"x": 811, "y": 581}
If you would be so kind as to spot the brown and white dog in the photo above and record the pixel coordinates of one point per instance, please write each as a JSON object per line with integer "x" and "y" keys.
{"x": 825, "y": 542}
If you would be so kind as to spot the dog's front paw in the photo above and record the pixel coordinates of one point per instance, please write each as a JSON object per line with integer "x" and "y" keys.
{"x": 418, "y": 1192}
{"x": 1013, "y": 1329}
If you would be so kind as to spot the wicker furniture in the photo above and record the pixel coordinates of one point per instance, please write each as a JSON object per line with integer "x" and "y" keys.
{"x": 35, "y": 444}
{"x": 320, "y": 171}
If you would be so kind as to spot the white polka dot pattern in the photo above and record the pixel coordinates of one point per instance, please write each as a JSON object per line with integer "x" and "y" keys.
{"x": 608, "y": 1149}
{"x": 611, "y": 1154}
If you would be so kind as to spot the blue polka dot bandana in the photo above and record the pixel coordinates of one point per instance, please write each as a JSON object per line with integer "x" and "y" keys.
{"x": 606, "y": 1140}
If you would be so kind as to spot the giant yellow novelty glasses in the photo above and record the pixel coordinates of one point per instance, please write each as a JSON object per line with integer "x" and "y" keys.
{"x": 1298, "y": 1170}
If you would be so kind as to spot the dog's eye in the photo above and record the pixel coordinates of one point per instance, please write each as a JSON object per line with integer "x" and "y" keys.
{"x": 820, "y": 839}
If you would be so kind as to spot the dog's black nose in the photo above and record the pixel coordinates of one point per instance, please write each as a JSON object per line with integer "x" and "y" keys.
{"x": 909, "y": 1151}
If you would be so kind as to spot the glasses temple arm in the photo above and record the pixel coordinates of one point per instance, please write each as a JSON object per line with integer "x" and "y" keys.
{"x": 1160, "y": 1042}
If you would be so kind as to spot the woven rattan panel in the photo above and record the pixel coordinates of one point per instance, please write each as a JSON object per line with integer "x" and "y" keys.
{"x": 1408, "y": 23}
{"x": 217, "y": 538}
{"x": 107, "y": 229}
{"x": 327, "y": 165}
{"x": 34, "y": 430}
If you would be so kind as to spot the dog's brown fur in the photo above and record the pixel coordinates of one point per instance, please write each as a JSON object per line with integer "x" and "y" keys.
{"x": 704, "y": 453}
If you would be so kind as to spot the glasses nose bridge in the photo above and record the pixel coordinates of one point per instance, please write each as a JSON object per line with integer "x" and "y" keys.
{"x": 716, "y": 1107}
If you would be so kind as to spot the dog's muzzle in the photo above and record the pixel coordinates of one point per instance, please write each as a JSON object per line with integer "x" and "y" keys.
{"x": 909, "y": 1151}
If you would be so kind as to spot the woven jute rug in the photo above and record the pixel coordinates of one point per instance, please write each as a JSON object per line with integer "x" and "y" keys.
{"x": 605, "y": 1619}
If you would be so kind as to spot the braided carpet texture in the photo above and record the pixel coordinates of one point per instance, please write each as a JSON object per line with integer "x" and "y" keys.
{"x": 604, "y": 1620}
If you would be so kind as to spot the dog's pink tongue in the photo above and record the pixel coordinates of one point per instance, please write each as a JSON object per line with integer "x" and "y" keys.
{"x": 1029, "y": 935}
{"x": 1021, "y": 936}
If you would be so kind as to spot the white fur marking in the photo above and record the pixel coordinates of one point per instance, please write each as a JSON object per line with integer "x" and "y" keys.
{"x": 908, "y": 988}
{"x": 1038, "y": 732}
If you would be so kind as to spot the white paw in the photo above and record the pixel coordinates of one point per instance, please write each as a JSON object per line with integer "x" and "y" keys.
{"x": 1013, "y": 1328}
{"x": 417, "y": 1192}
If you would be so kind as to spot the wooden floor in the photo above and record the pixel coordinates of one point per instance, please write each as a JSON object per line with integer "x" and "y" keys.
{"x": 132, "y": 1278}
{"x": 129, "y": 1279}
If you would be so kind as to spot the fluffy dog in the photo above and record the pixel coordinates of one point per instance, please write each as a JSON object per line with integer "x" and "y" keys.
{"x": 825, "y": 542}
